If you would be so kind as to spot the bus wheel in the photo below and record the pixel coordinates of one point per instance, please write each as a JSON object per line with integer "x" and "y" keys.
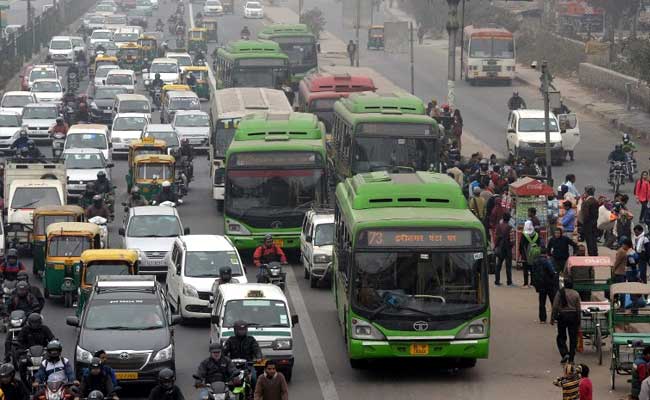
{"x": 358, "y": 364}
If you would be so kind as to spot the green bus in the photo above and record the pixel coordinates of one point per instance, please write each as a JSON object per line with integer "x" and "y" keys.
{"x": 251, "y": 63}
{"x": 409, "y": 268}
{"x": 297, "y": 41}
{"x": 275, "y": 172}
{"x": 373, "y": 131}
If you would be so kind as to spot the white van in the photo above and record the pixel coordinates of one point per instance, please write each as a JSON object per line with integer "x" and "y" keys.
{"x": 526, "y": 137}
{"x": 121, "y": 77}
{"x": 89, "y": 136}
{"x": 316, "y": 243}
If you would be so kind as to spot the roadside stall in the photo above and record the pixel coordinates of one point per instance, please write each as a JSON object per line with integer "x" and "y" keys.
{"x": 529, "y": 193}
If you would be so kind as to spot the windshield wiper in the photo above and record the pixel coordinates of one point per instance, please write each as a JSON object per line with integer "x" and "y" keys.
{"x": 28, "y": 204}
{"x": 161, "y": 236}
{"x": 116, "y": 328}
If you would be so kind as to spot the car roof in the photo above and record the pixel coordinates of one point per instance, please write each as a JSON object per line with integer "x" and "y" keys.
{"x": 18, "y": 93}
{"x": 153, "y": 210}
{"x": 138, "y": 115}
{"x": 160, "y": 128}
{"x": 181, "y": 93}
{"x": 88, "y": 128}
{"x": 131, "y": 96}
{"x": 232, "y": 291}
{"x": 47, "y": 80}
{"x": 122, "y": 71}
{"x": 44, "y": 66}
{"x": 322, "y": 218}
{"x": 171, "y": 54}
{"x": 60, "y": 38}
{"x": 206, "y": 243}
{"x": 164, "y": 60}
{"x": 529, "y": 113}
{"x": 9, "y": 112}
{"x": 41, "y": 105}
{"x": 83, "y": 151}
{"x": 190, "y": 112}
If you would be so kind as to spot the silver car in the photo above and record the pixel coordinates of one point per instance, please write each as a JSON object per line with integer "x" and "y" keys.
{"x": 39, "y": 118}
{"x": 193, "y": 126}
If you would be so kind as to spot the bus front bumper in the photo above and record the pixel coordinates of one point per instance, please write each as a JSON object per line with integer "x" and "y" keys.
{"x": 462, "y": 348}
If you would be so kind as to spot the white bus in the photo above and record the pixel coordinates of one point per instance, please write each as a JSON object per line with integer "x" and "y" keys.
{"x": 489, "y": 55}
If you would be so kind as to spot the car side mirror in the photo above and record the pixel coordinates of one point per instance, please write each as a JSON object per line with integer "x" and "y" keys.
{"x": 214, "y": 319}
{"x": 120, "y": 231}
{"x": 186, "y": 231}
{"x": 294, "y": 319}
{"x": 510, "y": 130}
{"x": 308, "y": 239}
{"x": 176, "y": 319}
{"x": 72, "y": 320}
{"x": 110, "y": 165}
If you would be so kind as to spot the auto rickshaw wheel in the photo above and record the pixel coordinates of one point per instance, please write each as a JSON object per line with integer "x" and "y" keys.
{"x": 46, "y": 293}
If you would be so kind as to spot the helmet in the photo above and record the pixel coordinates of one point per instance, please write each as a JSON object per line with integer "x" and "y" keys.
{"x": 97, "y": 198}
{"x": 216, "y": 346}
{"x": 95, "y": 363}
{"x": 23, "y": 132}
{"x": 59, "y": 120}
{"x": 101, "y": 174}
{"x": 31, "y": 144}
{"x": 54, "y": 348}
{"x": 241, "y": 329}
{"x": 7, "y": 370}
{"x": 12, "y": 253}
{"x": 157, "y": 75}
{"x": 268, "y": 236}
{"x": 225, "y": 272}
{"x": 22, "y": 276}
{"x": 626, "y": 138}
{"x": 34, "y": 320}
{"x": 135, "y": 190}
{"x": 96, "y": 395}
{"x": 166, "y": 378}
{"x": 166, "y": 184}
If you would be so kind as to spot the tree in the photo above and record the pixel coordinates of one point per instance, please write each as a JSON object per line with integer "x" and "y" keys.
{"x": 614, "y": 11}
{"x": 640, "y": 58}
{"x": 314, "y": 20}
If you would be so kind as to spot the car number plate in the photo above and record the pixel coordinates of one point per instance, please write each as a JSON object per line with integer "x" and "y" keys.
{"x": 126, "y": 375}
{"x": 278, "y": 242}
{"x": 419, "y": 349}
{"x": 108, "y": 111}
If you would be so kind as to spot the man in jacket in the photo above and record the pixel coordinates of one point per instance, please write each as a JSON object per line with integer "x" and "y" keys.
{"x": 13, "y": 389}
{"x": 558, "y": 247}
{"x": 545, "y": 282}
{"x": 620, "y": 261}
{"x": 589, "y": 218}
{"x": 216, "y": 368}
{"x": 566, "y": 311}
{"x": 96, "y": 379}
{"x": 271, "y": 385}
{"x": 33, "y": 334}
{"x": 503, "y": 250}
{"x": 243, "y": 346}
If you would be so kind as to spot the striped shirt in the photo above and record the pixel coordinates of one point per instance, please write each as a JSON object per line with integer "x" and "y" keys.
{"x": 570, "y": 387}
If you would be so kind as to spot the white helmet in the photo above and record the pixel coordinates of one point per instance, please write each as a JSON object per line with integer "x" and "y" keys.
{"x": 166, "y": 184}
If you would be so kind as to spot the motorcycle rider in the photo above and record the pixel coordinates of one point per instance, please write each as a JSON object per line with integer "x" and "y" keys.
{"x": 167, "y": 194}
{"x": 160, "y": 25}
{"x": 98, "y": 208}
{"x": 102, "y": 184}
{"x": 241, "y": 345}
{"x": 22, "y": 299}
{"x": 103, "y": 357}
{"x": 516, "y": 102}
{"x": 59, "y": 127}
{"x": 199, "y": 58}
{"x": 34, "y": 290}
{"x": 22, "y": 140}
{"x": 157, "y": 83}
{"x": 190, "y": 80}
{"x": 166, "y": 388}
{"x": 87, "y": 198}
{"x": 186, "y": 150}
{"x": 34, "y": 333}
{"x": 617, "y": 155}
{"x": 245, "y": 33}
{"x": 11, "y": 266}
{"x": 135, "y": 199}
{"x": 73, "y": 69}
{"x": 13, "y": 389}
{"x": 216, "y": 368}
{"x": 225, "y": 275}
{"x": 54, "y": 366}
{"x": 33, "y": 153}
{"x": 267, "y": 253}
{"x": 95, "y": 378}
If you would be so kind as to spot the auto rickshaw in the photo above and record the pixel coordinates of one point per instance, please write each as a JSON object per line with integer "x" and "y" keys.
{"x": 149, "y": 46}
{"x": 147, "y": 145}
{"x": 150, "y": 170}
{"x": 65, "y": 243}
{"x": 197, "y": 39}
{"x": 43, "y": 217}
{"x": 210, "y": 24}
{"x": 103, "y": 59}
{"x": 130, "y": 56}
{"x": 103, "y": 262}
{"x": 202, "y": 88}
{"x": 376, "y": 37}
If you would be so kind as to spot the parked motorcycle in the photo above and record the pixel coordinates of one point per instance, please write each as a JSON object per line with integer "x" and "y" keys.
{"x": 272, "y": 273}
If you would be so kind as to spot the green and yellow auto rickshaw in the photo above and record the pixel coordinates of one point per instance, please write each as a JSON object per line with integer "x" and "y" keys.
{"x": 130, "y": 56}
{"x": 147, "y": 145}
{"x": 43, "y": 217}
{"x": 376, "y": 37}
{"x": 202, "y": 88}
{"x": 149, "y": 46}
{"x": 197, "y": 39}
{"x": 210, "y": 24}
{"x": 65, "y": 243}
{"x": 149, "y": 172}
{"x": 98, "y": 262}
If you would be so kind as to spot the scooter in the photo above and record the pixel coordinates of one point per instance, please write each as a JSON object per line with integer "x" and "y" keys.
{"x": 103, "y": 229}
{"x": 58, "y": 140}
{"x": 272, "y": 273}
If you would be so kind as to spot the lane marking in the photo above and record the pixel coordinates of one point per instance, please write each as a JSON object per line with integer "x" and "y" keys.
{"x": 327, "y": 387}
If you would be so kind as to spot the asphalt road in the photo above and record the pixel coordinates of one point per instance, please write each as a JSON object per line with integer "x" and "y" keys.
{"x": 523, "y": 358}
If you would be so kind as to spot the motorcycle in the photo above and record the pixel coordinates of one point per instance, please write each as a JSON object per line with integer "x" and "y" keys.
{"x": 73, "y": 80}
{"x": 29, "y": 361}
{"x": 215, "y": 390}
{"x": 242, "y": 388}
{"x": 272, "y": 273}
{"x": 8, "y": 289}
{"x": 156, "y": 95}
{"x": 55, "y": 390}
{"x": 58, "y": 140}
{"x": 103, "y": 230}
{"x": 617, "y": 175}
{"x": 16, "y": 323}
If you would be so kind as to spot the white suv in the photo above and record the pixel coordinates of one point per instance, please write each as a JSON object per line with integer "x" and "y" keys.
{"x": 525, "y": 136}
{"x": 61, "y": 50}
{"x": 193, "y": 265}
{"x": 316, "y": 241}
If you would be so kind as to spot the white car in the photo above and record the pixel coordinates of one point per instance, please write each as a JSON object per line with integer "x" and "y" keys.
{"x": 193, "y": 126}
{"x": 193, "y": 265}
{"x": 316, "y": 244}
{"x": 127, "y": 34}
{"x": 253, "y": 9}
{"x": 100, "y": 36}
{"x": 127, "y": 128}
{"x": 164, "y": 132}
{"x": 166, "y": 67}
{"x": 184, "y": 59}
{"x": 526, "y": 137}
{"x": 96, "y": 22}
{"x": 102, "y": 71}
{"x": 47, "y": 90}
{"x": 15, "y": 101}
{"x": 82, "y": 166}
{"x": 121, "y": 77}
{"x": 39, "y": 118}
{"x": 213, "y": 7}
{"x": 89, "y": 136}
{"x": 10, "y": 127}
{"x": 61, "y": 50}
{"x": 46, "y": 71}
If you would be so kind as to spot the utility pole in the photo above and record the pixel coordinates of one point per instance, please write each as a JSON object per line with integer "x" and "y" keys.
{"x": 412, "y": 59}
{"x": 462, "y": 38}
{"x": 452, "y": 28}
{"x": 547, "y": 83}
{"x": 300, "y": 7}
{"x": 358, "y": 23}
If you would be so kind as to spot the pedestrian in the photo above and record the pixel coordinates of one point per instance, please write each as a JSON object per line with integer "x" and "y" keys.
{"x": 589, "y": 218}
{"x": 352, "y": 51}
{"x": 529, "y": 249}
{"x": 640, "y": 371}
{"x": 632, "y": 264}
{"x": 503, "y": 250}
{"x": 457, "y": 127}
{"x": 477, "y": 204}
{"x": 570, "y": 183}
{"x": 620, "y": 261}
{"x": 545, "y": 280}
{"x": 586, "y": 387}
{"x": 431, "y": 106}
{"x": 642, "y": 247}
{"x": 532, "y": 216}
{"x": 566, "y": 312}
{"x": 569, "y": 382}
{"x": 642, "y": 194}
{"x": 271, "y": 385}
{"x": 569, "y": 218}
{"x": 558, "y": 248}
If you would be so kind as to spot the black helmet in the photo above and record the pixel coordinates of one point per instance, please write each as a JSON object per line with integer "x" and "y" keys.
{"x": 241, "y": 328}
{"x": 268, "y": 236}
{"x": 7, "y": 370}
{"x": 166, "y": 378}
{"x": 31, "y": 144}
{"x": 22, "y": 276}
{"x": 157, "y": 75}
{"x": 101, "y": 174}
{"x": 54, "y": 349}
{"x": 35, "y": 320}
{"x": 95, "y": 363}
{"x": 225, "y": 272}
{"x": 59, "y": 120}
{"x": 96, "y": 395}
{"x": 98, "y": 200}
{"x": 216, "y": 346}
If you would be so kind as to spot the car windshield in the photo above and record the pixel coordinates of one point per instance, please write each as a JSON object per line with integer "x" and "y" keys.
{"x": 119, "y": 79}
{"x": 47, "y": 86}
{"x": 206, "y": 264}
{"x": 536, "y": 125}
{"x": 16, "y": 101}
{"x": 170, "y": 137}
{"x": 253, "y": 6}
{"x": 97, "y": 268}
{"x": 77, "y": 42}
{"x": 108, "y": 35}
{"x": 108, "y": 92}
{"x": 192, "y": 120}
{"x": 418, "y": 283}
{"x": 129, "y": 124}
{"x": 128, "y": 314}
{"x": 104, "y": 8}
{"x": 115, "y": 20}
{"x": 185, "y": 103}
{"x": 259, "y": 312}
{"x": 40, "y": 113}
{"x": 97, "y": 19}
{"x": 61, "y": 45}
{"x": 183, "y": 61}
{"x": 34, "y": 197}
{"x": 84, "y": 161}
{"x": 126, "y": 37}
{"x": 86, "y": 140}
{"x": 164, "y": 68}
{"x": 68, "y": 246}
{"x": 42, "y": 74}
{"x": 7, "y": 121}
{"x": 135, "y": 106}
{"x": 154, "y": 171}
{"x": 43, "y": 221}
{"x": 382, "y": 153}
{"x": 154, "y": 226}
{"x": 324, "y": 235}
{"x": 103, "y": 71}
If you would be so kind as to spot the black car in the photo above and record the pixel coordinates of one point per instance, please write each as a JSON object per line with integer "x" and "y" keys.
{"x": 100, "y": 101}
{"x": 128, "y": 317}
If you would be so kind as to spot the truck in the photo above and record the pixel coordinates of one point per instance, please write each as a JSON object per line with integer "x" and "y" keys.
{"x": 28, "y": 186}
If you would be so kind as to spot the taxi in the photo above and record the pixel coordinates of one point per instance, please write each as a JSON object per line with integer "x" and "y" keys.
{"x": 266, "y": 310}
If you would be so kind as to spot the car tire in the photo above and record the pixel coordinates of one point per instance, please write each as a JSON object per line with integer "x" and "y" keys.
{"x": 313, "y": 282}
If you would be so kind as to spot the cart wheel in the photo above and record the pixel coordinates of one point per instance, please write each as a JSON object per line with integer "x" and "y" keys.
{"x": 598, "y": 340}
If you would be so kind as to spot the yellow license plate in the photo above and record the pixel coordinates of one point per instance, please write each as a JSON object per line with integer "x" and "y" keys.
{"x": 260, "y": 363}
{"x": 278, "y": 242}
{"x": 59, "y": 267}
{"x": 126, "y": 375}
{"x": 419, "y": 349}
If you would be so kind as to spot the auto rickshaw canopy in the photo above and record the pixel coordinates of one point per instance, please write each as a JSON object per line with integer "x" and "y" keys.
{"x": 72, "y": 229}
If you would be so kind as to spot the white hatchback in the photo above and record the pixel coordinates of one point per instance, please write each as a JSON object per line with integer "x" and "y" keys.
{"x": 121, "y": 77}
{"x": 61, "y": 50}
{"x": 127, "y": 128}
{"x": 47, "y": 90}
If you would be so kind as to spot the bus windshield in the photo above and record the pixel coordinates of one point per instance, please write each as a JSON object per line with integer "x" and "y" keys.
{"x": 486, "y": 47}
{"x": 301, "y": 50}
{"x": 260, "y": 74}
{"x": 418, "y": 284}
{"x": 380, "y": 153}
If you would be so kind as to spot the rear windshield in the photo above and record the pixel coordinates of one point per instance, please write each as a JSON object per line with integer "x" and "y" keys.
{"x": 134, "y": 106}
{"x": 34, "y": 197}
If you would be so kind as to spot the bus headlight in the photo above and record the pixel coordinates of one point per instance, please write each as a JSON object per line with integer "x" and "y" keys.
{"x": 235, "y": 228}
{"x": 365, "y": 330}
{"x": 477, "y": 329}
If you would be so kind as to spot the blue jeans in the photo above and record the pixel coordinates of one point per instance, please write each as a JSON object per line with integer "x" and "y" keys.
{"x": 632, "y": 276}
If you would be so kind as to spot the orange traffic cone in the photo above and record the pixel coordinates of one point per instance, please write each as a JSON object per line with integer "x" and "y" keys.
{"x": 581, "y": 343}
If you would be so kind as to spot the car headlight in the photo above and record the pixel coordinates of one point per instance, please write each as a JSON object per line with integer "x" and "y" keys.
{"x": 235, "y": 228}
{"x": 165, "y": 354}
{"x": 93, "y": 105}
{"x": 282, "y": 344}
{"x": 477, "y": 329}
{"x": 364, "y": 330}
{"x": 83, "y": 355}
{"x": 147, "y": 82}
{"x": 189, "y": 290}
{"x": 322, "y": 258}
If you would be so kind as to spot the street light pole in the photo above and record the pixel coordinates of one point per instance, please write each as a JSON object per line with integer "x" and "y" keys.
{"x": 358, "y": 23}
{"x": 412, "y": 59}
{"x": 546, "y": 80}
{"x": 462, "y": 39}
{"x": 452, "y": 28}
